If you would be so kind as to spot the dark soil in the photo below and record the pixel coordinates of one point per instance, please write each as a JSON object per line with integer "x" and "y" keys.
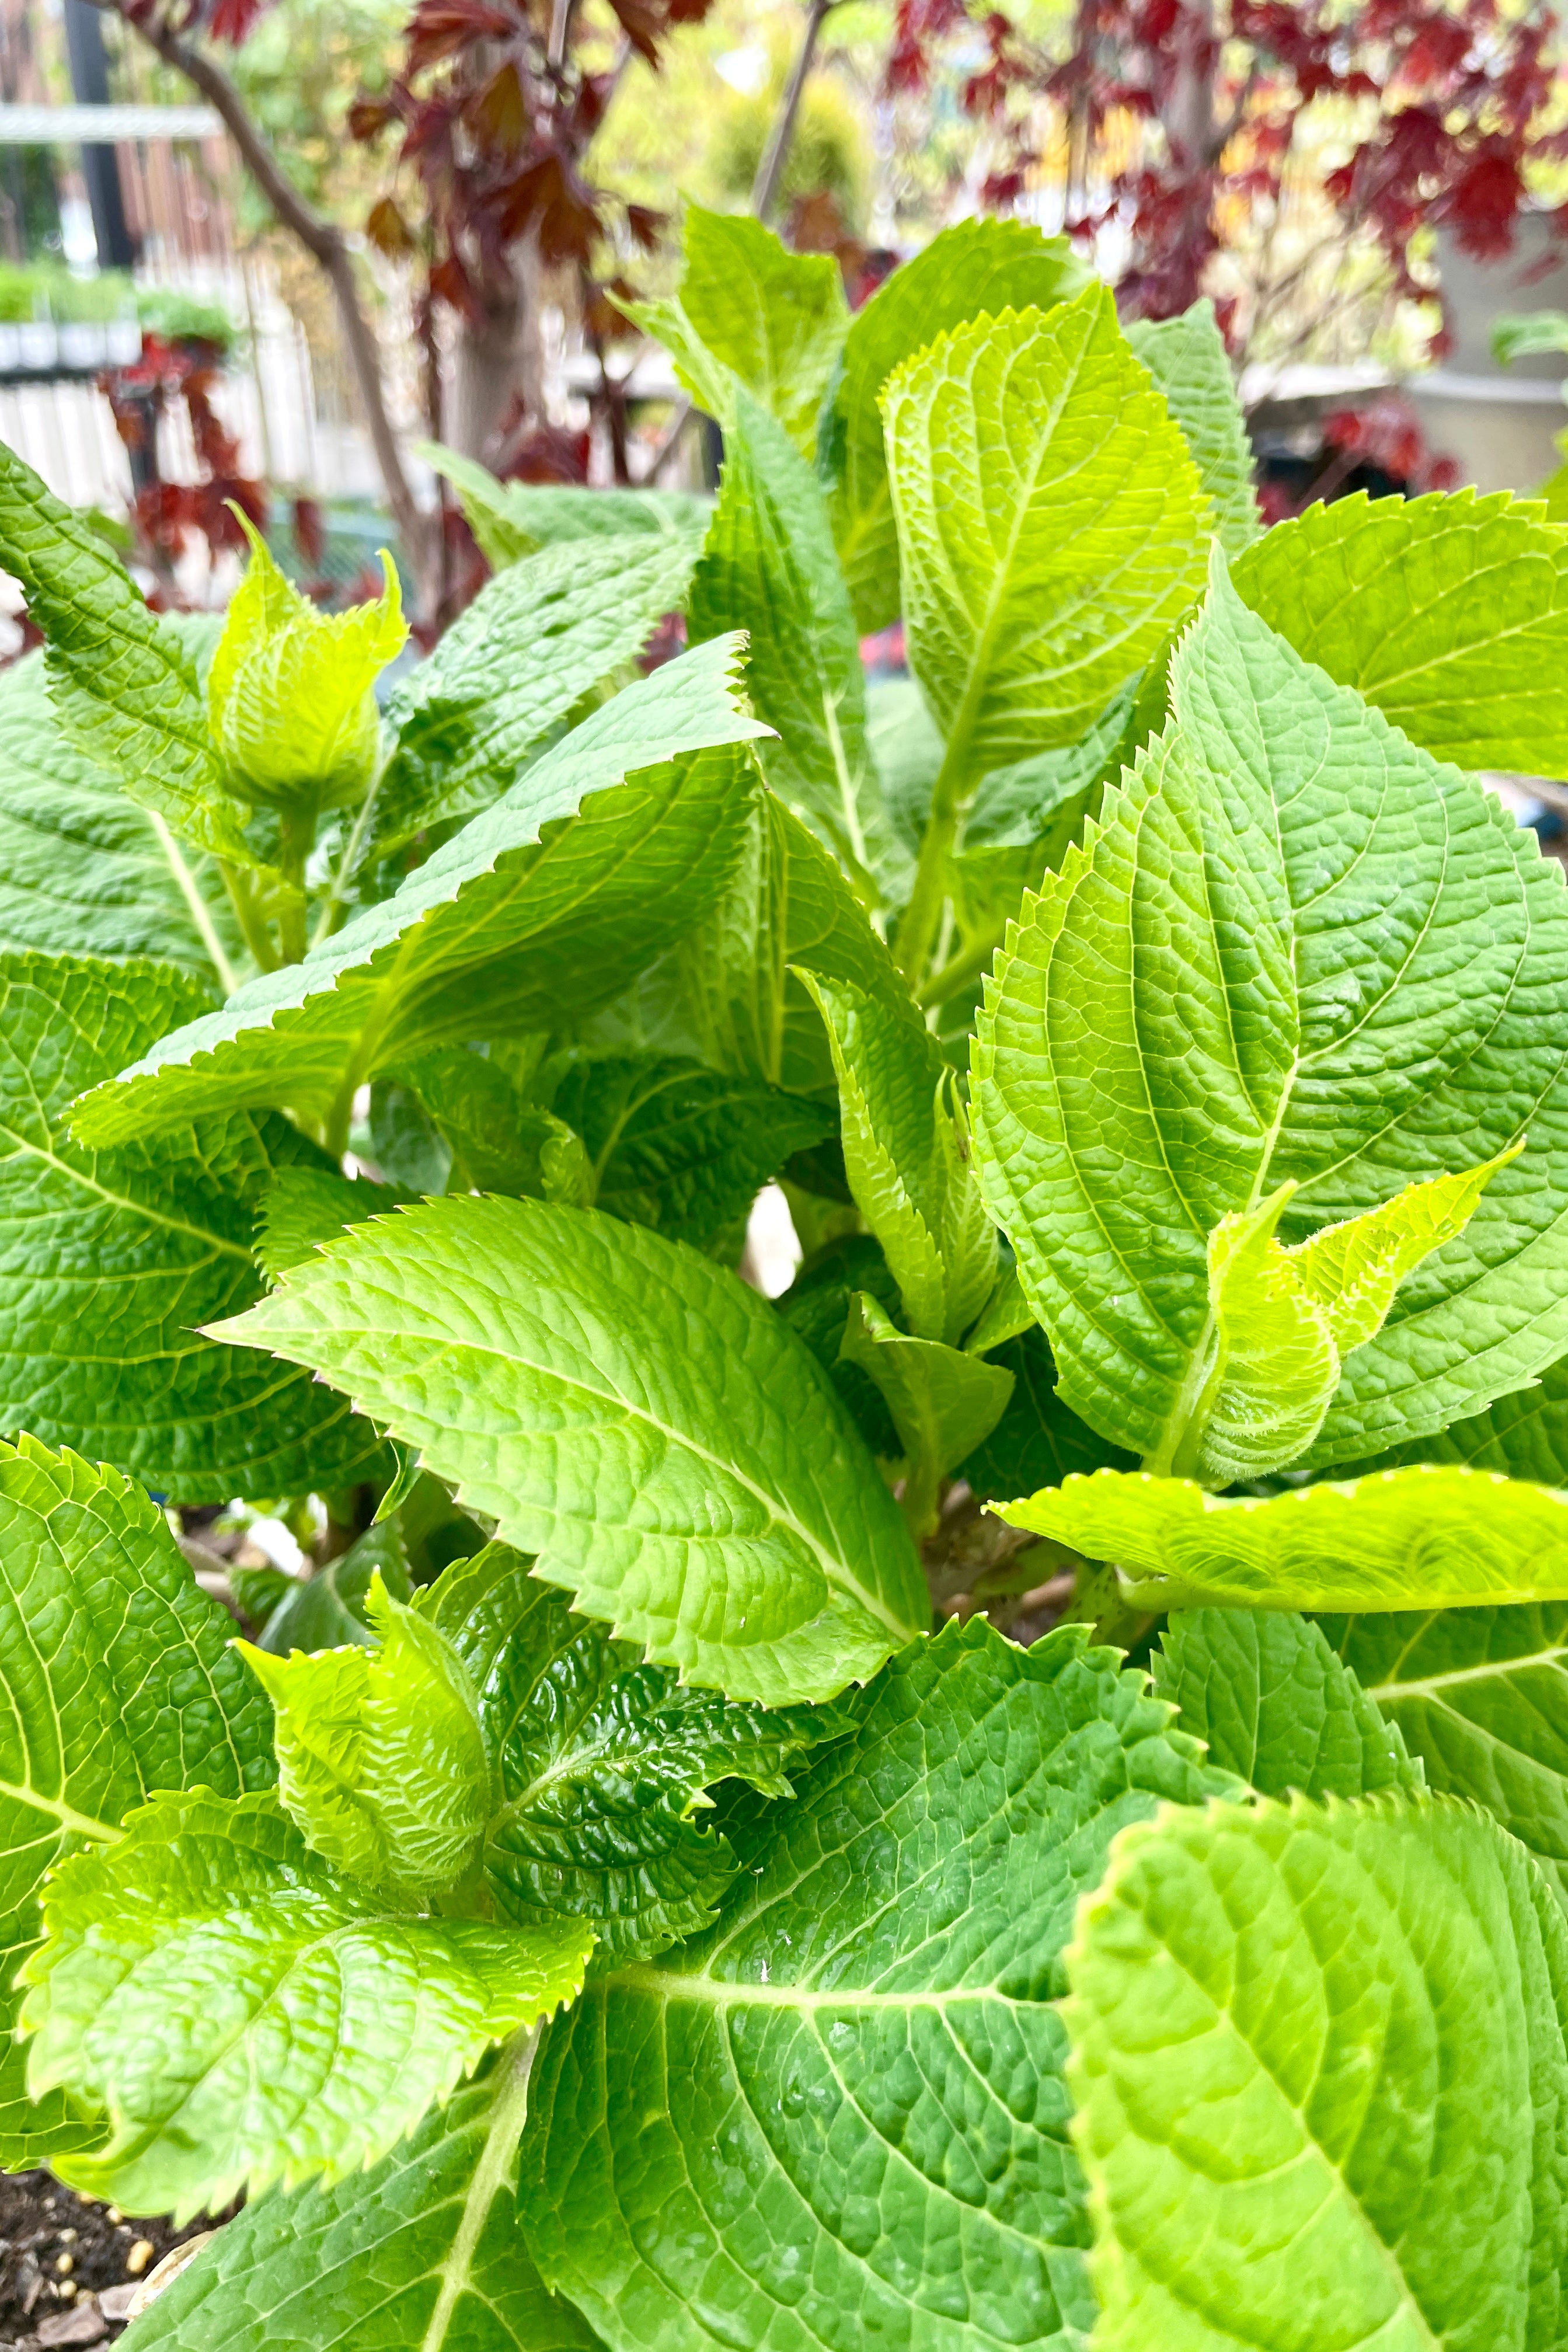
{"x": 42, "y": 2225}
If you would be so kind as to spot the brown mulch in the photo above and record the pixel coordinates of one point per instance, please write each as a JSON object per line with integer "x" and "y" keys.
{"x": 59, "y": 2253}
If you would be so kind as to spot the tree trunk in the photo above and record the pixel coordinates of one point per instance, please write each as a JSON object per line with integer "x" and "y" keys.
{"x": 499, "y": 361}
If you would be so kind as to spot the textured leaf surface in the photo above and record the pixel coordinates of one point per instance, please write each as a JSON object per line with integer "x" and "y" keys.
{"x": 305, "y": 1206}
{"x": 838, "y": 2117}
{"x": 680, "y": 1147}
{"x": 1321, "y": 2089}
{"x": 1293, "y": 949}
{"x": 1187, "y": 357}
{"x": 122, "y": 681}
{"x": 117, "y": 1679}
{"x": 83, "y": 868}
{"x": 637, "y": 1416}
{"x": 512, "y": 519}
{"x": 1053, "y": 527}
{"x": 975, "y": 268}
{"x": 422, "y": 2252}
{"x": 529, "y": 646}
{"x": 769, "y": 567}
{"x": 1481, "y": 1697}
{"x": 1426, "y": 1537}
{"x": 942, "y": 1403}
{"x": 240, "y": 2015}
{"x": 573, "y": 856}
{"x": 1037, "y": 1441}
{"x": 601, "y": 1762}
{"x": 906, "y": 1157}
{"x": 774, "y": 318}
{"x": 109, "y": 1260}
{"x": 329, "y": 1607}
{"x": 788, "y": 908}
{"x": 1276, "y": 1706}
{"x": 381, "y": 1761}
{"x": 1450, "y": 613}
{"x": 1524, "y": 1435}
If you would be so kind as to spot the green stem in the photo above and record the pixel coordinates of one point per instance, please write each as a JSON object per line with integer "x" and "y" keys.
{"x": 333, "y": 911}
{"x": 246, "y": 914}
{"x": 967, "y": 965}
{"x": 919, "y": 924}
{"x": 296, "y": 838}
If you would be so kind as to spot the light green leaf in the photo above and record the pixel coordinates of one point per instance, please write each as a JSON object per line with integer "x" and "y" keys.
{"x": 328, "y": 1608}
{"x": 381, "y": 1761}
{"x": 906, "y": 751}
{"x": 747, "y": 305}
{"x": 109, "y": 1260}
{"x": 1274, "y": 1704}
{"x": 422, "y": 2251}
{"x": 1006, "y": 1314}
{"x": 942, "y": 1403}
{"x": 305, "y": 1206}
{"x": 672, "y": 1145}
{"x": 566, "y": 862}
{"x": 512, "y": 519}
{"x": 530, "y": 647}
{"x": 239, "y": 2015}
{"x": 289, "y": 697}
{"x": 1053, "y": 527}
{"x": 788, "y": 908}
{"x": 700, "y": 1488}
{"x": 602, "y": 1763}
{"x": 816, "y": 1307}
{"x": 906, "y": 1153}
{"x": 1519, "y": 333}
{"x": 1449, "y": 612}
{"x": 124, "y": 683}
{"x": 1319, "y": 2068}
{"x": 118, "y": 1679}
{"x": 1481, "y": 1697}
{"x": 865, "y": 2048}
{"x": 1037, "y": 1441}
{"x": 1428, "y": 1537}
{"x": 83, "y": 866}
{"x": 1293, "y": 949}
{"x": 768, "y": 567}
{"x": 1187, "y": 357}
{"x": 1523, "y": 1435}
{"x": 499, "y": 1141}
{"x": 975, "y": 269}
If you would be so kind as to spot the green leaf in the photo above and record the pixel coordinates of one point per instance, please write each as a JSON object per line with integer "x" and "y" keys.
{"x": 863, "y": 2057}
{"x": 816, "y": 1306}
{"x": 118, "y": 1679}
{"x": 512, "y": 519}
{"x": 1273, "y": 1703}
{"x": 1449, "y": 612}
{"x": 942, "y": 1403}
{"x": 975, "y": 268}
{"x": 328, "y": 1608}
{"x": 124, "y": 683}
{"x": 302, "y": 2025}
{"x": 381, "y": 1760}
{"x": 906, "y": 1153}
{"x": 602, "y": 1763}
{"x": 565, "y": 863}
{"x": 499, "y": 1141}
{"x": 303, "y": 1207}
{"x": 1187, "y": 357}
{"x": 680, "y": 1147}
{"x": 748, "y": 307}
{"x": 1481, "y": 1697}
{"x": 699, "y": 1489}
{"x": 290, "y": 699}
{"x": 530, "y": 647}
{"x": 1005, "y": 1315}
{"x": 1523, "y": 1435}
{"x": 1427, "y": 1538}
{"x": 1292, "y": 950}
{"x": 1519, "y": 333}
{"x": 1319, "y": 2068}
{"x": 109, "y": 1260}
{"x": 422, "y": 2251}
{"x": 768, "y": 567}
{"x": 788, "y": 908}
{"x": 1053, "y": 525}
{"x": 1037, "y": 1441}
{"x": 82, "y": 866}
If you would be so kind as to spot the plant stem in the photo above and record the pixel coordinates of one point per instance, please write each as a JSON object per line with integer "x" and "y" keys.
{"x": 921, "y": 917}
{"x": 201, "y": 913}
{"x": 770, "y": 172}
{"x": 957, "y": 974}
{"x": 250, "y": 920}
{"x": 297, "y": 834}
